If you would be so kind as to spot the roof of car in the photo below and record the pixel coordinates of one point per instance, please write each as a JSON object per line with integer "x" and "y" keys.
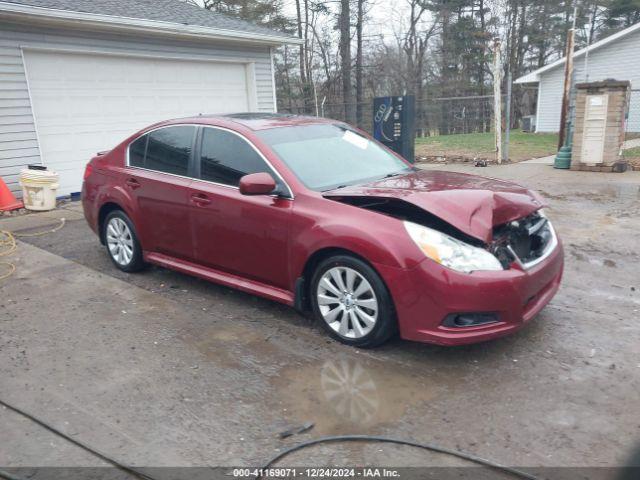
{"x": 259, "y": 120}
{"x": 171, "y": 11}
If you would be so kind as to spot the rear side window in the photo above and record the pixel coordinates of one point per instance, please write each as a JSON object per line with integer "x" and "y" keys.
{"x": 165, "y": 150}
{"x": 226, "y": 157}
{"x": 137, "y": 151}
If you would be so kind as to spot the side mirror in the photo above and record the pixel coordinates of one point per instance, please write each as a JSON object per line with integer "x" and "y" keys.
{"x": 257, "y": 184}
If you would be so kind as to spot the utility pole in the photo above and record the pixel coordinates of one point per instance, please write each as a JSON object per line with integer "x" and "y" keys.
{"x": 566, "y": 94}
{"x": 497, "y": 98}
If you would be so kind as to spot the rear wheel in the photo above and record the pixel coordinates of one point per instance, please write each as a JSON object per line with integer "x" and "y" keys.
{"x": 352, "y": 302}
{"x": 122, "y": 242}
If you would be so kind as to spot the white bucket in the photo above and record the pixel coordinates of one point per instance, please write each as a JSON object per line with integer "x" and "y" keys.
{"x": 39, "y": 189}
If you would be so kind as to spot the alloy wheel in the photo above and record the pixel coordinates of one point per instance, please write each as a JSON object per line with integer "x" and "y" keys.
{"x": 347, "y": 302}
{"x": 119, "y": 241}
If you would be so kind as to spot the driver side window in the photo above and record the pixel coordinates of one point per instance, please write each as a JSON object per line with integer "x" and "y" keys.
{"x": 225, "y": 158}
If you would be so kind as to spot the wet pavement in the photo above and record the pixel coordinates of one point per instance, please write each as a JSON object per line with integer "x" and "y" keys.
{"x": 159, "y": 368}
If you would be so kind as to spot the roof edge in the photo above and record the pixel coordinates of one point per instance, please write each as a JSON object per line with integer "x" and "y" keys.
{"x": 142, "y": 25}
{"x": 533, "y": 77}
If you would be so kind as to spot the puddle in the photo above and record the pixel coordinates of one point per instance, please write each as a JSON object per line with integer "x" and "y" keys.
{"x": 231, "y": 345}
{"x": 348, "y": 395}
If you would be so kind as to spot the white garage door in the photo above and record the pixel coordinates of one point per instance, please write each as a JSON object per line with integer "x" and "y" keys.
{"x": 85, "y": 103}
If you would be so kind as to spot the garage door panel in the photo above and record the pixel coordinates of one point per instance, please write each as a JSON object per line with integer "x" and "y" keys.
{"x": 114, "y": 105}
{"x": 60, "y": 142}
{"x": 65, "y": 164}
{"x": 84, "y": 103}
{"x": 61, "y": 127}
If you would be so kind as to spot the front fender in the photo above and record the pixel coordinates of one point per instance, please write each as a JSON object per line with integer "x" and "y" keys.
{"x": 382, "y": 242}
{"x": 348, "y": 238}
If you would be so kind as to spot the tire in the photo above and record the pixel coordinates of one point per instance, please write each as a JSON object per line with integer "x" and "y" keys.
{"x": 121, "y": 240}
{"x": 347, "y": 317}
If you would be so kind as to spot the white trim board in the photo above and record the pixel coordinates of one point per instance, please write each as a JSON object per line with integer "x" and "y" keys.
{"x": 124, "y": 53}
{"x": 538, "y": 102}
{"x": 33, "y": 115}
{"x": 273, "y": 80}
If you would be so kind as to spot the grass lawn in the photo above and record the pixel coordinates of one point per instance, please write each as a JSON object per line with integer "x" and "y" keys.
{"x": 522, "y": 146}
{"x": 632, "y": 153}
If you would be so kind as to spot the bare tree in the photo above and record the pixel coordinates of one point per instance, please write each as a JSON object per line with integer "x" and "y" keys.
{"x": 359, "y": 56}
{"x": 303, "y": 55}
{"x": 344, "y": 21}
{"x": 414, "y": 46}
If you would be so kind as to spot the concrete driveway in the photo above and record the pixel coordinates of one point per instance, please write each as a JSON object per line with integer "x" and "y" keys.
{"x": 160, "y": 369}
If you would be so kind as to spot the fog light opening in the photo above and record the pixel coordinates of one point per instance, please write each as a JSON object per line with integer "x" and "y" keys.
{"x": 462, "y": 320}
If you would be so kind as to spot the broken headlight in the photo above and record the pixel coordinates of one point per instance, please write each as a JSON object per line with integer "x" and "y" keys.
{"x": 450, "y": 252}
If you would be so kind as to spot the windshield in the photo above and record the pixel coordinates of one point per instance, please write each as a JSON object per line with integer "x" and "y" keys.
{"x": 325, "y": 157}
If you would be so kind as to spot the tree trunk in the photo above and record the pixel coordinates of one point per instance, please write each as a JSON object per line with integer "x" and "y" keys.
{"x": 359, "y": 85}
{"x": 345, "y": 57}
{"x": 303, "y": 76}
{"x": 286, "y": 76}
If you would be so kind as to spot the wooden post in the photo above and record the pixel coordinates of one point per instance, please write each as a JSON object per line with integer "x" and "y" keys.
{"x": 566, "y": 94}
{"x": 497, "y": 98}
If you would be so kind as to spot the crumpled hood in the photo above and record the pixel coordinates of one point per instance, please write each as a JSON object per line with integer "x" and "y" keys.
{"x": 472, "y": 204}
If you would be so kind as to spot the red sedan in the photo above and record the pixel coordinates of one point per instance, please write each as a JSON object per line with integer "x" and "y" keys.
{"x": 315, "y": 214}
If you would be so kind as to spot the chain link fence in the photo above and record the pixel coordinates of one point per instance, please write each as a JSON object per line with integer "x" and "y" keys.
{"x": 633, "y": 122}
{"x": 461, "y": 127}
{"x": 434, "y": 116}
{"x": 456, "y": 128}
{"x": 632, "y": 131}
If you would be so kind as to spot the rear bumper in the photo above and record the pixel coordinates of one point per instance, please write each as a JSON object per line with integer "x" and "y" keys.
{"x": 426, "y": 294}
{"x": 89, "y": 206}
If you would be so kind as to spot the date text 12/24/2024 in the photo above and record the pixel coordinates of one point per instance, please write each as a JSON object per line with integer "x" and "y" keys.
{"x": 315, "y": 472}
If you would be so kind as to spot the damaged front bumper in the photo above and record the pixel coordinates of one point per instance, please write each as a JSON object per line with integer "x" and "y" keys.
{"x": 429, "y": 294}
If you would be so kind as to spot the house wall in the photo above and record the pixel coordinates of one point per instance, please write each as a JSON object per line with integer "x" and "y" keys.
{"x": 617, "y": 60}
{"x": 18, "y": 138}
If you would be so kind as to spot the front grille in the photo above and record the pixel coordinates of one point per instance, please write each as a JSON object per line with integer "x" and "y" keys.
{"x": 527, "y": 240}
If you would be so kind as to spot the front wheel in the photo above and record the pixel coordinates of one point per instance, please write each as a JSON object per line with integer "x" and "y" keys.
{"x": 122, "y": 242}
{"x": 352, "y": 302}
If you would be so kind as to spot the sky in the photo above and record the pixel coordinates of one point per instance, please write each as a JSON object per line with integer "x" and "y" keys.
{"x": 383, "y": 15}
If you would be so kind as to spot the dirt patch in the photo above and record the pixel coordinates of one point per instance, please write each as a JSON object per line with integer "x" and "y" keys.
{"x": 448, "y": 159}
{"x": 459, "y": 158}
{"x": 634, "y": 163}
{"x": 433, "y": 154}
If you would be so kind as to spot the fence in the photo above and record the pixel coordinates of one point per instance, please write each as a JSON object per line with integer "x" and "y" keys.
{"x": 633, "y": 122}
{"x": 434, "y": 116}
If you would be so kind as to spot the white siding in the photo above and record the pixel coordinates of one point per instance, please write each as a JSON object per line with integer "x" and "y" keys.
{"x": 18, "y": 142}
{"x": 618, "y": 60}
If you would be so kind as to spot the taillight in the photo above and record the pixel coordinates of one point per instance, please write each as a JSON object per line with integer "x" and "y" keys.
{"x": 87, "y": 171}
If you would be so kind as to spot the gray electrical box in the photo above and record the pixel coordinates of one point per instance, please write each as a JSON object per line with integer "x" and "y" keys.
{"x": 529, "y": 124}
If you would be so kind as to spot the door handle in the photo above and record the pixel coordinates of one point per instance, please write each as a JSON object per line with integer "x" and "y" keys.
{"x": 200, "y": 199}
{"x": 132, "y": 183}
